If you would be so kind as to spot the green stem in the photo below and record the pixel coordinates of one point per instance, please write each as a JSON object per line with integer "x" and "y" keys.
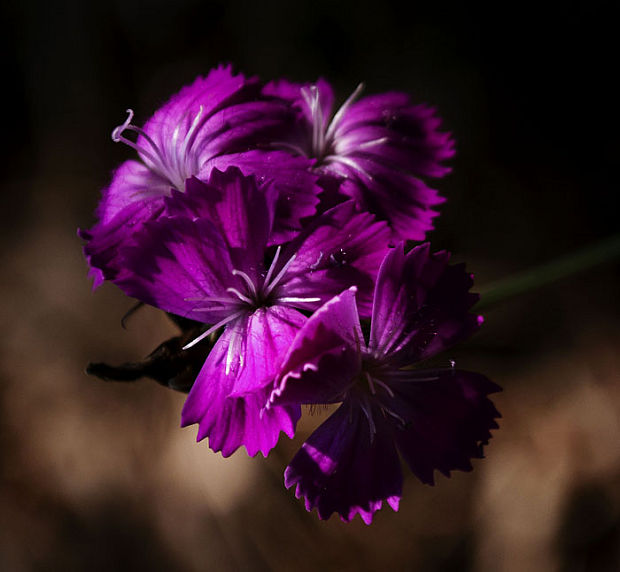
{"x": 544, "y": 274}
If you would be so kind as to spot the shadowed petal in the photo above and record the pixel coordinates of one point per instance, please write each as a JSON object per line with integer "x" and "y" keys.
{"x": 133, "y": 197}
{"x": 341, "y": 469}
{"x": 421, "y": 306}
{"x": 409, "y": 135}
{"x": 448, "y": 419}
{"x": 404, "y": 201}
{"x": 341, "y": 248}
{"x": 176, "y": 263}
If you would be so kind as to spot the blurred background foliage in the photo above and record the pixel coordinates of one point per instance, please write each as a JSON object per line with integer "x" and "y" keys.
{"x": 98, "y": 476}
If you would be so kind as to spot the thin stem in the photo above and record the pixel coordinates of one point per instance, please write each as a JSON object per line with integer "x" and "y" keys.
{"x": 588, "y": 257}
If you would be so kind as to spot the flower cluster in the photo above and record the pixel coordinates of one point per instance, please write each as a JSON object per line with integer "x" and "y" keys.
{"x": 273, "y": 228}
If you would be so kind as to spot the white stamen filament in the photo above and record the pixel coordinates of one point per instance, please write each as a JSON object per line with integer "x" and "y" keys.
{"x": 239, "y": 295}
{"x": 343, "y": 108}
{"x": 172, "y": 168}
{"x": 247, "y": 280}
{"x": 311, "y": 96}
{"x": 191, "y": 134}
{"x": 367, "y": 409}
{"x": 269, "y": 287}
{"x": 293, "y": 299}
{"x": 349, "y": 162}
{"x": 383, "y": 385}
{"x": 157, "y": 160}
{"x": 213, "y": 329}
{"x": 273, "y": 265}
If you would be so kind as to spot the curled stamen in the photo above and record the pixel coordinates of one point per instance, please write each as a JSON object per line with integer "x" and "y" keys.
{"x": 158, "y": 162}
{"x": 247, "y": 279}
{"x": 239, "y": 295}
{"x": 118, "y": 131}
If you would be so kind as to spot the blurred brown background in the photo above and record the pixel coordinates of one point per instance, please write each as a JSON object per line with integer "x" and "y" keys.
{"x": 97, "y": 476}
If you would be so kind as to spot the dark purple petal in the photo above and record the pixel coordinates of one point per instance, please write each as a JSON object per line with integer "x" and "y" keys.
{"x": 131, "y": 183}
{"x": 421, "y": 306}
{"x": 396, "y": 133}
{"x": 228, "y": 398}
{"x": 447, "y": 418}
{"x": 339, "y": 249}
{"x": 292, "y": 178}
{"x": 379, "y": 147}
{"x": 342, "y": 468}
{"x": 175, "y": 264}
{"x": 133, "y": 197}
{"x": 324, "y": 357}
{"x": 404, "y": 201}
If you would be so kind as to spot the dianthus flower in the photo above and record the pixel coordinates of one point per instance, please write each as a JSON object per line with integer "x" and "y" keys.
{"x": 205, "y": 259}
{"x": 377, "y": 149}
{"x": 217, "y": 121}
{"x": 436, "y": 418}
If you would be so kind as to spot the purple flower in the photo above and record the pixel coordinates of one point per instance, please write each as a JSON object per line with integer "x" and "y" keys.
{"x": 211, "y": 123}
{"x": 379, "y": 147}
{"x": 436, "y": 418}
{"x": 204, "y": 259}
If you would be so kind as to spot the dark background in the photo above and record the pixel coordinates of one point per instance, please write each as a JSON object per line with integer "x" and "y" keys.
{"x": 98, "y": 476}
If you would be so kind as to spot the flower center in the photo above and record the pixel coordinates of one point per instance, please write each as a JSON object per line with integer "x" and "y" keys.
{"x": 172, "y": 160}
{"x": 323, "y": 132}
{"x": 249, "y": 296}
{"x": 375, "y": 395}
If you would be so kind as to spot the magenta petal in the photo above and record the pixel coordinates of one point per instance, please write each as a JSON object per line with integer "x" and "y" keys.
{"x": 216, "y": 114}
{"x": 133, "y": 197}
{"x": 175, "y": 264}
{"x": 228, "y": 398}
{"x": 342, "y": 469}
{"x": 339, "y": 249}
{"x": 448, "y": 419}
{"x": 291, "y": 176}
{"x": 324, "y": 357}
{"x": 105, "y": 239}
{"x": 421, "y": 305}
{"x": 242, "y": 213}
{"x": 131, "y": 183}
{"x": 401, "y": 199}
{"x": 409, "y": 135}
